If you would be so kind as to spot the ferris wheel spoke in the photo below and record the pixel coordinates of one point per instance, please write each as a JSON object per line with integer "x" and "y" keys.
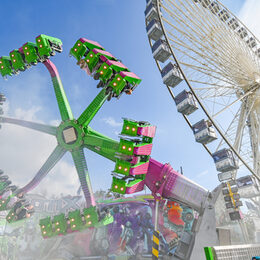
{"x": 254, "y": 135}
{"x": 231, "y": 128}
{"x": 47, "y": 129}
{"x": 234, "y": 102}
{"x": 219, "y": 64}
{"x": 197, "y": 50}
{"x": 206, "y": 72}
{"x": 223, "y": 51}
{"x": 240, "y": 128}
{"x": 217, "y": 67}
{"x": 55, "y": 156}
{"x": 213, "y": 23}
{"x": 83, "y": 174}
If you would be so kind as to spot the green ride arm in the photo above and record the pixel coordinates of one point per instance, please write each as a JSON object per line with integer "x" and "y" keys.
{"x": 83, "y": 174}
{"x": 64, "y": 107}
{"x": 86, "y": 117}
{"x": 100, "y": 144}
{"x": 47, "y": 129}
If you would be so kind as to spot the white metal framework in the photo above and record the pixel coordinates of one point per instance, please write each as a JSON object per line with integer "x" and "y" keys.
{"x": 219, "y": 58}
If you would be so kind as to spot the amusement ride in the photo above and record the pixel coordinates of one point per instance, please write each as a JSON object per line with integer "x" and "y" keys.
{"x": 207, "y": 47}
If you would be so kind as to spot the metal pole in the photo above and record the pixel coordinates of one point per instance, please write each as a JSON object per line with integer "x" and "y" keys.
{"x": 156, "y": 234}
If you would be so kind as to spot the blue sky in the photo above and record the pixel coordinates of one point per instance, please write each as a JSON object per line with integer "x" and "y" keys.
{"x": 119, "y": 25}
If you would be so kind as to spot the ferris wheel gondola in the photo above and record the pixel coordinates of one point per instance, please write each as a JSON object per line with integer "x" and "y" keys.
{"x": 211, "y": 50}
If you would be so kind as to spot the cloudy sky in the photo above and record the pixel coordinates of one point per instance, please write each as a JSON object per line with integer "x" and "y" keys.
{"x": 119, "y": 26}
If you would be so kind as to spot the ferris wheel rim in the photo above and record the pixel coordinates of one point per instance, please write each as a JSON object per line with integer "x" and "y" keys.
{"x": 193, "y": 92}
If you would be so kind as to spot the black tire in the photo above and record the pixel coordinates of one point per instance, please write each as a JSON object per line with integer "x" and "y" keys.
{"x": 109, "y": 96}
{"x": 96, "y": 76}
{"x": 108, "y": 89}
{"x": 100, "y": 84}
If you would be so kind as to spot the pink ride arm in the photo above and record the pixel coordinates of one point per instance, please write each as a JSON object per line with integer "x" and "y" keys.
{"x": 164, "y": 182}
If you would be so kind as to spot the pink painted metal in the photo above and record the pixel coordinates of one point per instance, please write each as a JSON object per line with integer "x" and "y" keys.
{"x": 141, "y": 169}
{"x": 51, "y": 68}
{"x": 147, "y": 131}
{"x": 92, "y": 42}
{"x": 143, "y": 150}
{"x": 136, "y": 188}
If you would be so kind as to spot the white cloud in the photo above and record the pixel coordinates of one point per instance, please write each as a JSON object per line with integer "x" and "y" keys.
{"x": 23, "y": 152}
{"x": 55, "y": 122}
{"x": 29, "y": 115}
{"x": 112, "y": 122}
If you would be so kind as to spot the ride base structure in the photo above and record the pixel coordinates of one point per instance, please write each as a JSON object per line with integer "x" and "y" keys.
{"x": 134, "y": 168}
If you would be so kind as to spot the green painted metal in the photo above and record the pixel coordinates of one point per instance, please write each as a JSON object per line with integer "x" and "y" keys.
{"x": 91, "y": 216}
{"x": 82, "y": 170}
{"x": 86, "y": 117}
{"x": 93, "y": 58}
{"x": 100, "y": 144}
{"x": 47, "y": 45}
{"x": 46, "y": 227}
{"x": 105, "y": 221}
{"x": 59, "y": 224}
{"x": 75, "y": 220}
{"x": 117, "y": 84}
{"x": 18, "y": 61}
{"x": 64, "y": 107}
{"x": 82, "y": 46}
{"x": 130, "y": 127}
{"x": 3, "y": 203}
{"x": 30, "y": 53}
{"x": 6, "y": 66}
{"x": 70, "y": 135}
{"x": 122, "y": 167}
{"x": 118, "y": 185}
{"x": 106, "y": 71}
{"x": 3, "y": 185}
{"x": 78, "y": 50}
{"x": 209, "y": 253}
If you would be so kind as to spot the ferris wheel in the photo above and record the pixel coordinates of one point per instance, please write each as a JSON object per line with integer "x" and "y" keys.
{"x": 218, "y": 57}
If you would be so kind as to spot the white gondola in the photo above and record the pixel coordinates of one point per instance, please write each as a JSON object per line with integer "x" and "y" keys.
{"x": 251, "y": 42}
{"x": 223, "y": 15}
{"x": 150, "y": 12}
{"x": 205, "y": 3}
{"x": 258, "y": 53}
{"x": 226, "y": 176}
{"x": 161, "y": 51}
{"x": 171, "y": 75}
{"x": 186, "y": 103}
{"x": 233, "y": 23}
{"x": 242, "y": 32}
{"x": 204, "y": 132}
{"x": 248, "y": 187}
{"x": 214, "y": 7}
{"x": 236, "y": 215}
{"x": 154, "y": 30}
{"x": 151, "y": 1}
{"x": 2, "y": 97}
{"x": 225, "y": 160}
{"x": 245, "y": 182}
